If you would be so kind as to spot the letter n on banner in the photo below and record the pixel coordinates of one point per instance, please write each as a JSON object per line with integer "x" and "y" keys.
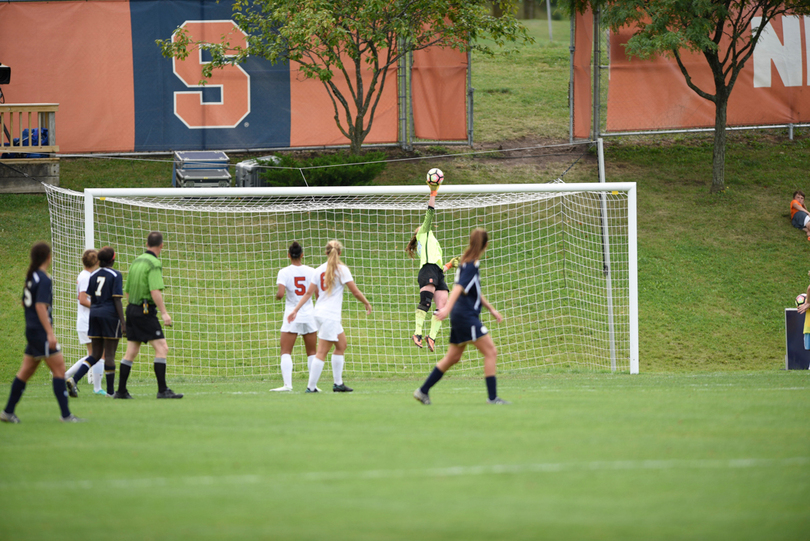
{"x": 583, "y": 43}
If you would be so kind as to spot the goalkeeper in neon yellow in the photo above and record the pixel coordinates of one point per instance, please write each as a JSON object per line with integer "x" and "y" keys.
{"x": 431, "y": 275}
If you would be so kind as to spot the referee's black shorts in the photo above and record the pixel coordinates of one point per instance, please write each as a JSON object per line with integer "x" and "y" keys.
{"x": 432, "y": 274}
{"x": 143, "y": 327}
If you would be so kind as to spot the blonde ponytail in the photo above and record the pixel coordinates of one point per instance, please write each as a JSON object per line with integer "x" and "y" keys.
{"x": 333, "y": 249}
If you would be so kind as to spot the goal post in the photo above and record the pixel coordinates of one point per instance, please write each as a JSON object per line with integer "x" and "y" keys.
{"x": 561, "y": 268}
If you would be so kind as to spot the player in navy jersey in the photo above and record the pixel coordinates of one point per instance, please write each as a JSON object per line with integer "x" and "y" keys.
{"x": 37, "y": 300}
{"x": 107, "y": 326}
{"x": 464, "y": 308}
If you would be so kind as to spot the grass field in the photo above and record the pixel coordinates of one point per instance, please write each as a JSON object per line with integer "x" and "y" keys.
{"x": 710, "y": 456}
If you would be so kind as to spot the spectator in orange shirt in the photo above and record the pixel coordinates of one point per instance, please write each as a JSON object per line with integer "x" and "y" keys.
{"x": 799, "y": 216}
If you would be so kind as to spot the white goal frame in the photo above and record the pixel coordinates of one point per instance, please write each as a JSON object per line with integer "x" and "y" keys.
{"x": 91, "y": 195}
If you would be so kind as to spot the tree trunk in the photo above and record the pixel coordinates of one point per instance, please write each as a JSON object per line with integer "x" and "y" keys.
{"x": 719, "y": 155}
{"x": 356, "y": 141}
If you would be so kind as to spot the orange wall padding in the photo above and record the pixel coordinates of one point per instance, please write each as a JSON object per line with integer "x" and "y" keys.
{"x": 583, "y": 43}
{"x": 440, "y": 94}
{"x": 312, "y": 115}
{"x": 98, "y": 104}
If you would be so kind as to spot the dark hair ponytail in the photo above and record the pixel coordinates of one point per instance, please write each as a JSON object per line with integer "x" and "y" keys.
{"x": 39, "y": 255}
{"x": 295, "y": 251}
{"x": 106, "y": 257}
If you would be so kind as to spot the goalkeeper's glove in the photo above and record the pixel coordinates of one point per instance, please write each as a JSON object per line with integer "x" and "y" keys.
{"x": 450, "y": 264}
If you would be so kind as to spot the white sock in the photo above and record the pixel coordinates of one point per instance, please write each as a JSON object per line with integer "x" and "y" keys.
{"x": 286, "y": 369}
{"x": 337, "y": 368}
{"x": 72, "y": 370}
{"x": 309, "y": 362}
{"x": 315, "y": 373}
{"x": 98, "y": 374}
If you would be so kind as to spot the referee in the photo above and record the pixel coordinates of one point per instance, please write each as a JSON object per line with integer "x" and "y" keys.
{"x": 144, "y": 288}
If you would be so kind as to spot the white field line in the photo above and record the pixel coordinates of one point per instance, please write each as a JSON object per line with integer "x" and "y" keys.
{"x": 453, "y": 471}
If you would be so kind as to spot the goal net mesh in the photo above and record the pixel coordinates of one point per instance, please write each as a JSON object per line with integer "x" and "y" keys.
{"x": 544, "y": 271}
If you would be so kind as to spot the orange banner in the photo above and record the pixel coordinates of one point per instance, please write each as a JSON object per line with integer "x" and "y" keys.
{"x": 583, "y": 43}
{"x": 773, "y": 87}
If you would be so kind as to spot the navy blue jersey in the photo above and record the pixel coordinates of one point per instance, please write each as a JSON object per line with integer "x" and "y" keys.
{"x": 38, "y": 289}
{"x": 468, "y": 303}
{"x": 105, "y": 284}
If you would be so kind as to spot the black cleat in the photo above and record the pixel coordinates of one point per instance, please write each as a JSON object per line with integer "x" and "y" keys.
{"x": 122, "y": 394}
{"x": 315, "y": 390}
{"x": 168, "y": 393}
{"x": 341, "y": 388}
{"x": 73, "y": 389}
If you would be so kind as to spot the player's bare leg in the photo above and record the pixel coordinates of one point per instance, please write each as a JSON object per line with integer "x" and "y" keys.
{"x": 338, "y": 361}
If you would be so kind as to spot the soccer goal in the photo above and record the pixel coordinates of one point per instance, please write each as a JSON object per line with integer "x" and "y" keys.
{"x": 561, "y": 268}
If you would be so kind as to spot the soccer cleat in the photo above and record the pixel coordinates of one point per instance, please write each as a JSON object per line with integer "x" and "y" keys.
{"x": 101, "y": 392}
{"x": 73, "y": 389}
{"x": 9, "y": 417}
{"x": 417, "y": 339}
{"x": 285, "y": 388}
{"x": 341, "y": 388}
{"x": 498, "y": 400}
{"x": 71, "y": 419}
{"x": 431, "y": 344}
{"x": 122, "y": 395}
{"x": 316, "y": 390}
{"x": 168, "y": 393}
{"x": 421, "y": 397}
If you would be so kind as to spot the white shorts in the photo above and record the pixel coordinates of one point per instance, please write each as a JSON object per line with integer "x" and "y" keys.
{"x": 299, "y": 326}
{"x": 328, "y": 329}
{"x": 83, "y": 339}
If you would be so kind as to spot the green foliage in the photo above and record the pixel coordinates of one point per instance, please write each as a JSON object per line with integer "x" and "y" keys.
{"x": 325, "y": 170}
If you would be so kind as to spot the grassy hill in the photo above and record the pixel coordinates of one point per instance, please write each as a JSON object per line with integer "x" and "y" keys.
{"x": 715, "y": 272}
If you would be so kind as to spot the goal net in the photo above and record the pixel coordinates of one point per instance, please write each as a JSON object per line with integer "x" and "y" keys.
{"x": 560, "y": 268}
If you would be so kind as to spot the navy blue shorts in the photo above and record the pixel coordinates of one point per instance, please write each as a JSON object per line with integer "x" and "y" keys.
{"x": 37, "y": 346}
{"x": 466, "y": 330}
{"x": 104, "y": 327}
{"x": 799, "y": 219}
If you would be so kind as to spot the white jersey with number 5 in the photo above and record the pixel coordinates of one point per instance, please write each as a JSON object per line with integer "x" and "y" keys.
{"x": 330, "y": 305}
{"x": 296, "y": 280}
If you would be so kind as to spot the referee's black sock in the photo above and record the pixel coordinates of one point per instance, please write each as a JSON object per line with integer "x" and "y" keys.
{"x": 492, "y": 387}
{"x": 126, "y": 367}
{"x": 432, "y": 380}
{"x": 160, "y": 373}
{"x": 60, "y": 390}
{"x": 17, "y": 388}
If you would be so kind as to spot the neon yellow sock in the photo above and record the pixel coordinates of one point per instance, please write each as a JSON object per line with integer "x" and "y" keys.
{"x": 420, "y": 321}
{"x": 435, "y": 326}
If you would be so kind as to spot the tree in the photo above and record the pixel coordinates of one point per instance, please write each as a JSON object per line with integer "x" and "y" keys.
{"x": 723, "y": 31}
{"x": 350, "y": 38}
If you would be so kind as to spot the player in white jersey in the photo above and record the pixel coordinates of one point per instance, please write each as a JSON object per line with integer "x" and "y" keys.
{"x": 293, "y": 282}
{"x": 329, "y": 281}
{"x": 90, "y": 263}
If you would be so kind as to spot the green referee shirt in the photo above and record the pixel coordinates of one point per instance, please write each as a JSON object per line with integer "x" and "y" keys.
{"x": 145, "y": 275}
{"x": 427, "y": 246}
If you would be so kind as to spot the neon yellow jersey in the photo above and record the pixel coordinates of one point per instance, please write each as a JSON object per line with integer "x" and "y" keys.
{"x": 428, "y": 248}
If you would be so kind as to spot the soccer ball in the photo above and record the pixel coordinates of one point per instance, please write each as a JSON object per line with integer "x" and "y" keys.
{"x": 435, "y": 177}
{"x": 800, "y": 299}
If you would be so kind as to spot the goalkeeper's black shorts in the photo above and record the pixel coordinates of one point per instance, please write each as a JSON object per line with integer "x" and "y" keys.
{"x": 432, "y": 274}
